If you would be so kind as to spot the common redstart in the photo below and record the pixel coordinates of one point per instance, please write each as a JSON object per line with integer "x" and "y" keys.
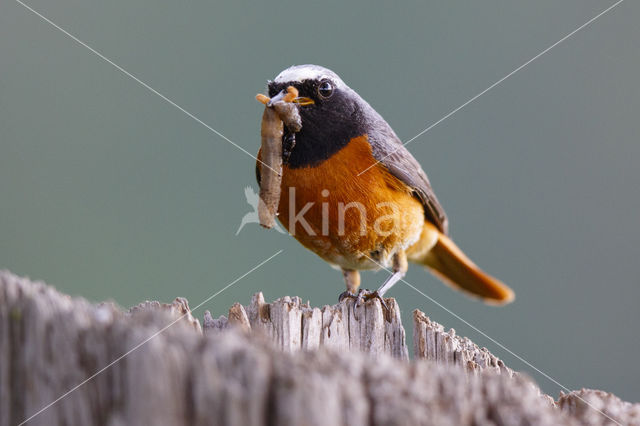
{"x": 354, "y": 195}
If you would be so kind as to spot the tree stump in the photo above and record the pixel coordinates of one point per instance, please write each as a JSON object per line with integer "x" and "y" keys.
{"x": 293, "y": 325}
{"x": 65, "y": 361}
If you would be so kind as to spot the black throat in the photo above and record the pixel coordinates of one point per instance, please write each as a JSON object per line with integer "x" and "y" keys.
{"x": 327, "y": 126}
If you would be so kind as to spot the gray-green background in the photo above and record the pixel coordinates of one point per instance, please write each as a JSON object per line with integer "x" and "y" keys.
{"x": 107, "y": 191}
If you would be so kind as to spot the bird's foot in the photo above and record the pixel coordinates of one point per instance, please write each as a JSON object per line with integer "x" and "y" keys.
{"x": 346, "y": 295}
{"x": 366, "y": 295}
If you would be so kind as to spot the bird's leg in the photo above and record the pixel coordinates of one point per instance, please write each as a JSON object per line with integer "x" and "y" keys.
{"x": 400, "y": 266}
{"x": 352, "y": 281}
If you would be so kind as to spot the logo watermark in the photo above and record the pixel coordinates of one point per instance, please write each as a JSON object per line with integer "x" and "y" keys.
{"x": 330, "y": 217}
{"x": 253, "y": 199}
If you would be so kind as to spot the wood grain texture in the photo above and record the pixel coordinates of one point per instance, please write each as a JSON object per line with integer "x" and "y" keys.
{"x": 293, "y": 325}
{"x": 431, "y": 342}
{"x": 280, "y": 363}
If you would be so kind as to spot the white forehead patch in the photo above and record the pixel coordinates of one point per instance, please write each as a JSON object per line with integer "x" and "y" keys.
{"x": 299, "y": 73}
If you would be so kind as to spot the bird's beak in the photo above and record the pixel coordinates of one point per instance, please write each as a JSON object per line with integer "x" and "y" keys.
{"x": 302, "y": 101}
{"x": 284, "y": 95}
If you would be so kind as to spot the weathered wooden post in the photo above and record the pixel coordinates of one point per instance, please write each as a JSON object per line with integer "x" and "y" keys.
{"x": 64, "y": 361}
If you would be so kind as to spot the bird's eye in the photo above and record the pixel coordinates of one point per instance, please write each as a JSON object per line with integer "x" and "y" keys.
{"x": 325, "y": 89}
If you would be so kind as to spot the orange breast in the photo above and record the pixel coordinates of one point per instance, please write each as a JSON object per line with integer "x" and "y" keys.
{"x": 344, "y": 217}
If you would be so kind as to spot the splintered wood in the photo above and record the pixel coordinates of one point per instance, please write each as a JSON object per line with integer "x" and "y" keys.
{"x": 282, "y": 112}
{"x": 283, "y": 363}
{"x": 293, "y": 325}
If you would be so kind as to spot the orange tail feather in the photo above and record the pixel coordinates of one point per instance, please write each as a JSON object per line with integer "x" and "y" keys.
{"x": 445, "y": 260}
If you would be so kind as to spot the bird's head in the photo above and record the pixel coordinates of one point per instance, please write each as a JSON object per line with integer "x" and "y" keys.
{"x": 331, "y": 112}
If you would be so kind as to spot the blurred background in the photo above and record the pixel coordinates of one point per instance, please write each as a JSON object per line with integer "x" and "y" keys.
{"x": 109, "y": 192}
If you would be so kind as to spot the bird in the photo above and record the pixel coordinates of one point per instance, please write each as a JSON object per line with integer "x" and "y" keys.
{"x": 354, "y": 195}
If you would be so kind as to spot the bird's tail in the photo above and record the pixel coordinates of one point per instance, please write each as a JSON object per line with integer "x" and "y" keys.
{"x": 445, "y": 260}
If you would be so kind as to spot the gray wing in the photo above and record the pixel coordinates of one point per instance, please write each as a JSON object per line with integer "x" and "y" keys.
{"x": 389, "y": 151}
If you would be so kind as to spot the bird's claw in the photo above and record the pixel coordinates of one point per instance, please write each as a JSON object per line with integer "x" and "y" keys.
{"x": 359, "y": 300}
{"x": 346, "y": 295}
{"x": 366, "y": 295}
